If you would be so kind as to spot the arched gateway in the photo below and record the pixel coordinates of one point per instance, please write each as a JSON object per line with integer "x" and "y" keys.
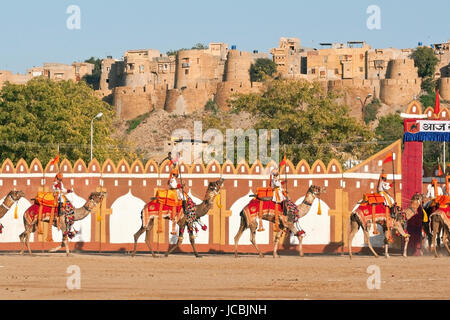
{"x": 431, "y": 125}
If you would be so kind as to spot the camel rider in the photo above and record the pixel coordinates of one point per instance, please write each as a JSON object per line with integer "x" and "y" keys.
{"x": 382, "y": 188}
{"x": 59, "y": 190}
{"x": 174, "y": 185}
{"x": 434, "y": 190}
{"x": 277, "y": 186}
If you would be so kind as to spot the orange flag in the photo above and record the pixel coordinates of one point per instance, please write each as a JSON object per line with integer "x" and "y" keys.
{"x": 283, "y": 163}
{"x": 440, "y": 173}
{"x": 56, "y": 160}
{"x": 389, "y": 158}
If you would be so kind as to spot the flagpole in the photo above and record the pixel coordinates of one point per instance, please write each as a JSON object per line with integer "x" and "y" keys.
{"x": 393, "y": 178}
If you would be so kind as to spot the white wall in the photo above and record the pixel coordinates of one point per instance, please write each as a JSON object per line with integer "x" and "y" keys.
{"x": 317, "y": 227}
{"x": 14, "y": 227}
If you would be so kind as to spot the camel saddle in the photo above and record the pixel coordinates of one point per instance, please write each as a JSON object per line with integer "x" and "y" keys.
{"x": 443, "y": 201}
{"x": 48, "y": 199}
{"x": 168, "y": 197}
{"x": 373, "y": 198}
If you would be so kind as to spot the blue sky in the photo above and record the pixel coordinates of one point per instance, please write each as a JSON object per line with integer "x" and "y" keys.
{"x": 34, "y": 32}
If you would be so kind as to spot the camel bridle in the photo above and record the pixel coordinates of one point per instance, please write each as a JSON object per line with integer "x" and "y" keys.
{"x": 10, "y": 198}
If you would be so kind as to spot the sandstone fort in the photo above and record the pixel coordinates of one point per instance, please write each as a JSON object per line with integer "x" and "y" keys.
{"x": 145, "y": 80}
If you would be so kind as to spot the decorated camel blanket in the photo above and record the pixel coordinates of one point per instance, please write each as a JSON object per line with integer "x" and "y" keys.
{"x": 259, "y": 208}
{"x": 154, "y": 209}
{"x": 365, "y": 212}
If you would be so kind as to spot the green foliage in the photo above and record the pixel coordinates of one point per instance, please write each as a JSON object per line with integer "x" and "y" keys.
{"x": 429, "y": 85}
{"x": 428, "y": 99}
{"x": 371, "y": 110}
{"x": 425, "y": 60}
{"x": 134, "y": 123}
{"x": 94, "y": 79}
{"x": 389, "y": 129}
{"x": 262, "y": 69}
{"x": 211, "y": 106}
{"x": 312, "y": 125}
{"x": 37, "y": 117}
{"x": 432, "y": 150}
{"x": 198, "y": 46}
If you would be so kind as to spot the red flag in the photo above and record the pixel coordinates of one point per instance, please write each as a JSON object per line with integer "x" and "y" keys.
{"x": 437, "y": 104}
{"x": 283, "y": 163}
{"x": 56, "y": 160}
{"x": 389, "y": 158}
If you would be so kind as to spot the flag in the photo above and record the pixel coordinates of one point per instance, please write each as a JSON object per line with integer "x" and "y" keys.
{"x": 389, "y": 158}
{"x": 440, "y": 173}
{"x": 283, "y": 163}
{"x": 56, "y": 160}
{"x": 437, "y": 104}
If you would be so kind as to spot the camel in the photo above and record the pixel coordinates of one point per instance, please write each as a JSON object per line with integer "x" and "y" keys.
{"x": 287, "y": 223}
{"x": 397, "y": 223}
{"x": 10, "y": 199}
{"x": 64, "y": 222}
{"x": 200, "y": 210}
{"x": 439, "y": 223}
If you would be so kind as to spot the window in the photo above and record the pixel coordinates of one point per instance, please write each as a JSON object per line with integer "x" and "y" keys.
{"x": 141, "y": 68}
{"x": 313, "y": 71}
{"x": 336, "y": 71}
{"x": 361, "y": 69}
{"x": 186, "y": 71}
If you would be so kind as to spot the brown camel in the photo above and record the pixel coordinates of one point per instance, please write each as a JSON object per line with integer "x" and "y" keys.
{"x": 439, "y": 223}
{"x": 397, "y": 223}
{"x": 10, "y": 199}
{"x": 78, "y": 214}
{"x": 287, "y": 223}
{"x": 200, "y": 210}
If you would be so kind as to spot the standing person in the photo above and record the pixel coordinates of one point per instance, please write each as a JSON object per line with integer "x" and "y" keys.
{"x": 59, "y": 191}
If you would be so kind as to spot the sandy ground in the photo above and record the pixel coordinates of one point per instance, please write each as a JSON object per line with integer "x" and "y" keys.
{"x": 218, "y": 277}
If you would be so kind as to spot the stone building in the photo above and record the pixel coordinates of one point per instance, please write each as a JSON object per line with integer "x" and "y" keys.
{"x": 53, "y": 71}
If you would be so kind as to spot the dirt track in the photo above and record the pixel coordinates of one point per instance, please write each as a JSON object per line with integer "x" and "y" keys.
{"x": 216, "y": 277}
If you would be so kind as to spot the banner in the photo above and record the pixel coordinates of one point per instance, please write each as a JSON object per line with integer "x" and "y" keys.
{"x": 426, "y": 130}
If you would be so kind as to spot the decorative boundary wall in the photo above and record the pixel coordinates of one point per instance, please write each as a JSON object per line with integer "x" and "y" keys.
{"x": 129, "y": 186}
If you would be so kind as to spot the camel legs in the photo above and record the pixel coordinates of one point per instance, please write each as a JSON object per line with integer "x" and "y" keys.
{"x": 445, "y": 240}
{"x": 354, "y": 226}
{"x": 148, "y": 237}
{"x": 179, "y": 242}
{"x": 276, "y": 243}
{"x": 367, "y": 240}
{"x": 136, "y": 238}
{"x": 435, "y": 235}
{"x": 253, "y": 225}
{"x": 25, "y": 239}
{"x": 192, "y": 240}
{"x": 242, "y": 227}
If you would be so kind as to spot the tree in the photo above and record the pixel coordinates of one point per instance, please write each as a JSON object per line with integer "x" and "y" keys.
{"x": 94, "y": 79}
{"x": 425, "y": 60}
{"x": 262, "y": 69}
{"x": 371, "y": 110}
{"x": 198, "y": 46}
{"x": 389, "y": 129}
{"x": 312, "y": 125}
{"x": 37, "y": 117}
